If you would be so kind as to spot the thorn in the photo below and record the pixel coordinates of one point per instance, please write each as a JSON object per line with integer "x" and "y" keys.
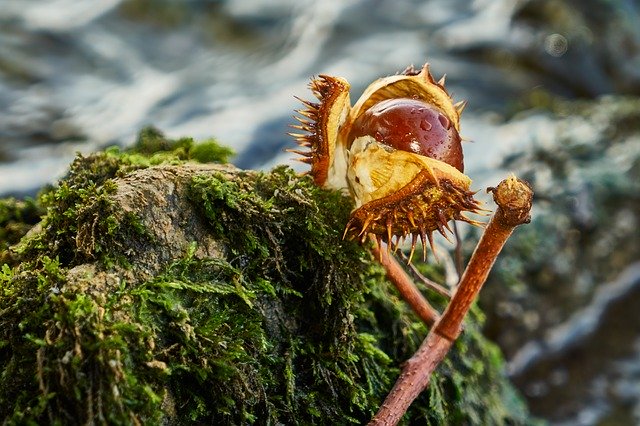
{"x": 305, "y": 123}
{"x": 311, "y": 115}
{"x": 433, "y": 247}
{"x": 426, "y": 70}
{"x": 301, "y": 140}
{"x": 389, "y": 233}
{"x": 414, "y": 239}
{"x": 442, "y": 231}
{"x": 470, "y": 221}
{"x": 399, "y": 242}
{"x": 410, "y": 70}
{"x": 366, "y": 223}
{"x": 410, "y": 218}
{"x": 312, "y": 105}
{"x": 297, "y": 151}
{"x": 443, "y": 220}
{"x": 304, "y": 127}
{"x": 305, "y": 142}
{"x": 460, "y": 106}
{"x": 423, "y": 240}
{"x": 347, "y": 228}
{"x": 442, "y": 80}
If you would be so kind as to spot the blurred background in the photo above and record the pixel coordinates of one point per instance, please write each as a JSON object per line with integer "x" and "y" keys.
{"x": 552, "y": 89}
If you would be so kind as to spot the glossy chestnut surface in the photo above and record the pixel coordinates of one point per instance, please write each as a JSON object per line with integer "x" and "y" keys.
{"x": 411, "y": 125}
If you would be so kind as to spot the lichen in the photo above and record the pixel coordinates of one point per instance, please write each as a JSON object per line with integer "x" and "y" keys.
{"x": 291, "y": 324}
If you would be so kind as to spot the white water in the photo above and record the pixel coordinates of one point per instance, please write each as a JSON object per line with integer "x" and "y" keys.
{"x": 78, "y": 77}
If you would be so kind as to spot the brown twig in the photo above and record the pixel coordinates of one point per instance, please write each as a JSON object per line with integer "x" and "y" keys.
{"x": 405, "y": 285}
{"x": 458, "y": 250}
{"x": 514, "y": 198}
{"x": 430, "y": 284}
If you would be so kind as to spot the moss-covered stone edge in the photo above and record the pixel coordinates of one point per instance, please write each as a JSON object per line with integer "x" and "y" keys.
{"x": 294, "y": 326}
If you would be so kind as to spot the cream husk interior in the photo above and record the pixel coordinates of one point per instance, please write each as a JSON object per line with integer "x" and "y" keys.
{"x": 377, "y": 170}
{"x": 337, "y": 173}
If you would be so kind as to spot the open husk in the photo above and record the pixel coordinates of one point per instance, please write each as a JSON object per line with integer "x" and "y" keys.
{"x": 396, "y": 193}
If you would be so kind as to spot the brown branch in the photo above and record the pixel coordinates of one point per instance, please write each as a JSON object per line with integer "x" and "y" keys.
{"x": 432, "y": 285}
{"x": 405, "y": 285}
{"x": 514, "y": 198}
{"x": 459, "y": 262}
{"x": 514, "y": 204}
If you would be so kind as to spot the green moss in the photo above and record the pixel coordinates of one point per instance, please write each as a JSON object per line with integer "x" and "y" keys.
{"x": 16, "y": 218}
{"x": 152, "y": 142}
{"x": 291, "y": 325}
{"x": 81, "y": 221}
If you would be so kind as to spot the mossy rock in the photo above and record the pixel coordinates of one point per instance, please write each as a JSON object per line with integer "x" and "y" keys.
{"x": 159, "y": 290}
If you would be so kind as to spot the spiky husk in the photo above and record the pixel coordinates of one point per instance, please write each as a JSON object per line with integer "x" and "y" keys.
{"x": 320, "y": 123}
{"x": 417, "y": 210}
{"x": 424, "y": 201}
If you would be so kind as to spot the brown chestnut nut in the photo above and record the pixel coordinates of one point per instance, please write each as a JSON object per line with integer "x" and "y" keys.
{"x": 411, "y": 125}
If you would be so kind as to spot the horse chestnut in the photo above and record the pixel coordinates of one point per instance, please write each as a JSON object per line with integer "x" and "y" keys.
{"x": 411, "y": 125}
{"x": 396, "y": 151}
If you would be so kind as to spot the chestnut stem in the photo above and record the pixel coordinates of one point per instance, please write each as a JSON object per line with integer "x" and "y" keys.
{"x": 514, "y": 199}
{"x": 405, "y": 285}
{"x": 459, "y": 261}
{"x": 441, "y": 290}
